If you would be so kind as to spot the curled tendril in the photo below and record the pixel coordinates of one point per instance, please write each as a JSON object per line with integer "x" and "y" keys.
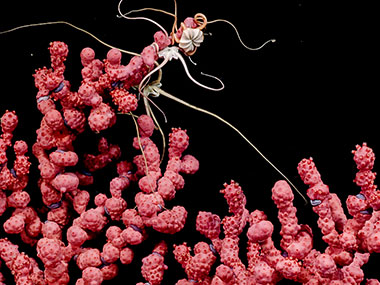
{"x": 124, "y": 15}
{"x": 238, "y": 35}
{"x": 201, "y": 20}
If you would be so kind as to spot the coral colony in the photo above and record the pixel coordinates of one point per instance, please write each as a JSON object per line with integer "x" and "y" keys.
{"x": 74, "y": 217}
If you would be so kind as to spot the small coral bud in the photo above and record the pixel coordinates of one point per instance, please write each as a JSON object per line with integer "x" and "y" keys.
{"x": 178, "y": 142}
{"x": 66, "y": 182}
{"x": 146, "y": 125}
{"x": 166, "y": 188}
{"x": 126, "y": 255}
{"x": 260, "y": 232}
{"x": 132, "y": 236}
{"x": 147, "y": 184}
{"x": 19, "y": 199}
{"x": 364, "y": 157}
{"x": 51, "y": 230}
{"x": 90, "y": 257}
{"x": 325, "y": 265}
{"x": 64, "y": 158}
{"x": 9, "y": 121}
{"x": 76, "y": 236}
{"x": 54, "y": 120}
{"x": 282, "y": 194}
{"x": 110, "y": 271}
{"x": 189, "y": 164}
{"x": 149, "y": 55}
{"x": 92, "y": 275}
{"x": 20, "y": 147}
{"x": 114, "y": 57}
{"x": 100, "y": 200}
{"x": 208, "y": 224}
{"x": 110, "y": 253}
{"x": 14, "y": 225}
{"x": 87, "y": 55}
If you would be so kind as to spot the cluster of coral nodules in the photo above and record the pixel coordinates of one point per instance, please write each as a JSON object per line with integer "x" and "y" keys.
{"x": 350, "y": 241}
{"x": 65, "y": 175}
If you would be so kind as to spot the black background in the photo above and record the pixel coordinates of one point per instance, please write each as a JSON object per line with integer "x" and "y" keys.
{"x": 312, "y": 93}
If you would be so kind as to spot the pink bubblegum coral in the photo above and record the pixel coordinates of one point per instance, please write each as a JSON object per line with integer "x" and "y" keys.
{"x": 85, "y": 215}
